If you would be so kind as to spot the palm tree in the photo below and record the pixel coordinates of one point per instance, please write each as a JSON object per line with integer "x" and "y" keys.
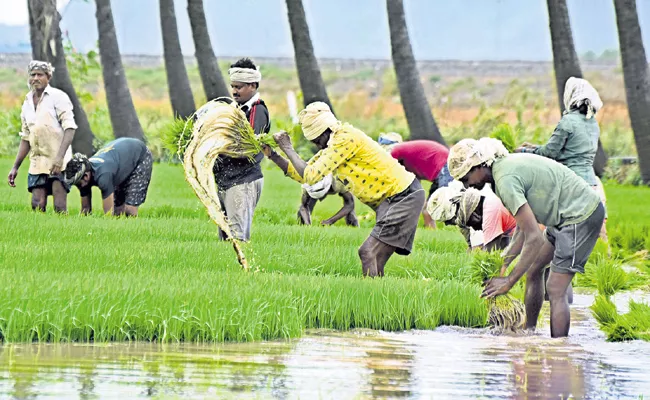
{"x": 180, "y": 91}
{"x": 213, "y": 82}
{"x": 44, "y": 31}
{"x": 120, "y": 104}
{"x": 566, "y": 63}
{"x": 637, "y": 80}
{"x": 416, "y": 107}
{"x": 311, "y": 80}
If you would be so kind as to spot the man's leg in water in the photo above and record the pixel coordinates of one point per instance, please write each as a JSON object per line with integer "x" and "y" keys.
{"x": 569, "y": 290}
{"x": 557, "y": 287}
{"x": 535, "y": 284}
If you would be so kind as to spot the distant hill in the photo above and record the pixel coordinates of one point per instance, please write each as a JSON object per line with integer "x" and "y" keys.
{"x": 439, "y": 29}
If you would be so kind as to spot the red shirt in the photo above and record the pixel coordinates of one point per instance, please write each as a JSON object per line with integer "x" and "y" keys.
{"x": 497, "y": 220}
{"x": 424, "y": 158}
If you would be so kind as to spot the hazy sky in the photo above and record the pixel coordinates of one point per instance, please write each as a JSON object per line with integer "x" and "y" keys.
{"x": 14, "y": 12}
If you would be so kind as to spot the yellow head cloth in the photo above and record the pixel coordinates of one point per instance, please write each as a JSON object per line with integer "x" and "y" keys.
{"x": 316, "y": 118}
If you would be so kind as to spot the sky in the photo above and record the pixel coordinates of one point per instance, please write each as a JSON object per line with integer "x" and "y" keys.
{"x": 438, "y": 29}
{"x": 14, "y": 12}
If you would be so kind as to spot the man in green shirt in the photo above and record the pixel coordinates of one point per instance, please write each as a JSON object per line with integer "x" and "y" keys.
{"x": 536, "y": 190}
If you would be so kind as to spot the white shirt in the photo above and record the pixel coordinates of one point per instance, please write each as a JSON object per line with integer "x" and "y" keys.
{"x": 43, "y": 127}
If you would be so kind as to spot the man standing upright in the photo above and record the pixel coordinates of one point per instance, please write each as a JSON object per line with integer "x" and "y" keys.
{"x": 239, "y": 180}
{"x": 48, "y": 128}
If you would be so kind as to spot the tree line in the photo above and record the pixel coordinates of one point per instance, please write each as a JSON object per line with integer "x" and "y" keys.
{"x": 46, "y": 40}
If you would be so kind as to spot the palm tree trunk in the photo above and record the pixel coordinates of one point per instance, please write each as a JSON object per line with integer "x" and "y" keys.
{"x": 213, "y": 82}
{"x": 566, "y": 63}
{"x": 120, "y": 104}
{"x": 636, "y": 78}
{"x": 311, "y": 80}
{"x": 47, "y": 44}
{"x": 180, "y": 91}
{"x": 416, "y": 107}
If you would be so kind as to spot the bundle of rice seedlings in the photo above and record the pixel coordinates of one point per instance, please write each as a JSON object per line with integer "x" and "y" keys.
{"x": 220, "y": 129}
{"x": 176, "y": 135}
{"x": 506, "y": 312}
{"x": 604, "y": 311}
{"x": 507, "y": 135}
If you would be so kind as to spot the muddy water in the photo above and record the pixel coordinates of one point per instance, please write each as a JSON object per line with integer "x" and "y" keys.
{"x": 447, "y": 363}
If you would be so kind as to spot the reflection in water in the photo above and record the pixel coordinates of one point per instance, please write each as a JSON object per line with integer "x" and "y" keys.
{"x": 446, "y": 363}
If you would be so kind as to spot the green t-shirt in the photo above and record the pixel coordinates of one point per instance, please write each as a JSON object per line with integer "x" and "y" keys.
{"x": 574, "y": 143}
{"x": 557, "y": 196}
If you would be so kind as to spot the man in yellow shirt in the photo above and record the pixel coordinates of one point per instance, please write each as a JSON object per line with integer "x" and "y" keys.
{"x": 369, "y": 173}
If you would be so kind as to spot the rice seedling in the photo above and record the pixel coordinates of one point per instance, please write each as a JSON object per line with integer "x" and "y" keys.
{"x": 507, "y": 135}
{"x": 506, "y": 311}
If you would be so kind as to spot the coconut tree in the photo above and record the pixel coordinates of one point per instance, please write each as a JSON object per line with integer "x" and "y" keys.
{"x": 45, "y": 34}
{"x": 637, "y": 79}
{"x": 416, "y": 107}
{"x": 566, "y": 63}
{"x": 180, "y": 91}
{"x": 124, "y": 119}
{"x": 213, "y": 82}
{"x": 311, "y": 80}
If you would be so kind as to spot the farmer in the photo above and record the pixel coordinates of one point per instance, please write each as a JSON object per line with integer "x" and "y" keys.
{"x": 575, "y": 140}
{"x": 121, "y": 170}
{"x": 427, "y": 160}
{"x": 535, "y": 189}
{"x": 311, "y": 194}
{"x": 239, "y": 180}
{"x": 48, "y": 127}
{"x": 479, "y": 210}
{"x": 369, "y": 173}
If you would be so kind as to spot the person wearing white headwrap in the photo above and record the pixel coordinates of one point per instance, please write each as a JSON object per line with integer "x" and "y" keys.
{"x": 240, "y": 180}
{"x": 48, "y": 127}
{"x": 311, "y": 194}
{"x": 574, "y": 141}
{"x": 478, "y": 210}
{"x": 536, "y": 190}
{"x": 371, "y": 174}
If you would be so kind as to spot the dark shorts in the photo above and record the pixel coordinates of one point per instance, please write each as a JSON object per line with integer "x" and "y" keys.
{"x": 397, "y": 218}
{"x": 574, "y": 243}
{"x": 133, "y": 191}
{"x": 44, "y": 181}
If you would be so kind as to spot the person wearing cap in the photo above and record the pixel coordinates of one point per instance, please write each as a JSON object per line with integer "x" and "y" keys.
{"x": 311, "y": 194}
{"x": 478, "y": 210}
{"x": 424, "y": 158}
{"x": 48, "y": 127}
{"x": 240, "y": 180}
{"x": 536, "y": 190}
{"x": 369, "y": 173}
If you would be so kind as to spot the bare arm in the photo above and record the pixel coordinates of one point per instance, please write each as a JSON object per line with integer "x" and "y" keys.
{"x": 278, "y": 160}
{"x": 23, "y": 150}
{"x": 348, "y": 207}
{"x": 514, "y": 249}
{"x": 108, "y": 205}
{"x": 298, "y": 163}
{"x": 86, "y": 204}
{"x": 532, "y": 242}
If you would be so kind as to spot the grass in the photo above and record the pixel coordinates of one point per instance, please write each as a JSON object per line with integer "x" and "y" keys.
{"x": 165, "y": 277}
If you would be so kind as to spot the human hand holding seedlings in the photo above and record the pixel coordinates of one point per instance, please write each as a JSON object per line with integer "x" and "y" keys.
{"x": 496, "y": 286}
{"x": 283, "y": 140}
{"x": 267, "y": 150}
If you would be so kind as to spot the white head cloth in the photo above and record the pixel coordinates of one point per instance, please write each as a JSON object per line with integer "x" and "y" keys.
{"x": 443, "y": 203}
{"x": 469, "y": 153}
{"x": 244, "y": 75}
{"x": 577, "y": 92}
{"x": 319, "y": 189}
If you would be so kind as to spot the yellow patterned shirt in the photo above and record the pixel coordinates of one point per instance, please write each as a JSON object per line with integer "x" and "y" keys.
{"x": 369, "y": 172}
